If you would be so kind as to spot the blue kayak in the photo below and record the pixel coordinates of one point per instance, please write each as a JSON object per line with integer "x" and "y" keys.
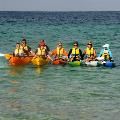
{"x": 109, "y": 64}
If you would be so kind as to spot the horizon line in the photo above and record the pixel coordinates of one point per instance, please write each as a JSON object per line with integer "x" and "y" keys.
{"x": 60, "y": 11}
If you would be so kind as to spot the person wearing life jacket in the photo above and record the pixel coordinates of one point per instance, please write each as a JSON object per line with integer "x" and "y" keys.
{"x": 75, "y": 54}
{"x": 25, "y": 47}
{"x": 89, "y": 53}
{"x": 106, "y": 53}
{"x": 46, "y": 46}
{"x": 59, "y": 52}
{"x": 18, "y": 51}
{"x": 41, "y": 50}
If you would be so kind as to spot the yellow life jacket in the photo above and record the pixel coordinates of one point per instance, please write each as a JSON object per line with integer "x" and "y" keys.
{"x": 89, "y": 52}
{"x": 25, "y": 48}
{"x": 18, "y": 51}
{"x": 106, "y": 55}
{"x": 41, "y": 52}
{"x": 75, "y": 51}
{"x": 60, "y": 52}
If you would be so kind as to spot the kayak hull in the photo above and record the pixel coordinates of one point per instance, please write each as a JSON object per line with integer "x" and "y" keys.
{"x": 75, "y": 63}
{"x": 92, "y": 63}
{"x": 109, "y": 64}
{"x": 39, "y": 61}
{"x": 16, "y": 61}
{"x": 82, "y": 63}
{"x": 59, "y": 62}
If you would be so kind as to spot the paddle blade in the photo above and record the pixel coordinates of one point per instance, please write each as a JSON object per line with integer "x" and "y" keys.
{"x": 7, "y": 56}
{"x": 2, "y": 55}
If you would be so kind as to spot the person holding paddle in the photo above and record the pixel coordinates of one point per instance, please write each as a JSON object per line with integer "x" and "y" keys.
{"x": 60, "y": 54}
{"x": 89, "y": 53}
{"x": 41, "y": 51}
{"x": 75, "y": 54}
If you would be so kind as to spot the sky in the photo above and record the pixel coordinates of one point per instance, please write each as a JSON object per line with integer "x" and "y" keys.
{"x": 59, "y": 5}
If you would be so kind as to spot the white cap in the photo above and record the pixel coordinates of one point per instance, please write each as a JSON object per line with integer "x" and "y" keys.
{"x": 106, "y": 46}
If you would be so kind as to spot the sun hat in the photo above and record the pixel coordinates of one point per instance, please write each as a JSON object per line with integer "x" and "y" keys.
{"x": 106, "y": 46}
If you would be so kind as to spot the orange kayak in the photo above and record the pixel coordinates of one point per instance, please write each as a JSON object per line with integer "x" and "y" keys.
{"x": 19, "y": 60}
{"x": 59, "y": 62}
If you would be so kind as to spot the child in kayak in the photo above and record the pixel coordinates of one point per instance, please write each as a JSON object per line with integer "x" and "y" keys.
{"x": 89, "y": 53}
{"x": 105, "y": 53}
{"x": 75, "y": 54}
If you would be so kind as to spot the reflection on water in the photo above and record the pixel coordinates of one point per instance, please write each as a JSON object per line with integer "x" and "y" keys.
{"x": 19, "y": 70}
{"x": 60, "y": 93}
{"x": 39, "y": 69}
{"x": 16, "y": 70}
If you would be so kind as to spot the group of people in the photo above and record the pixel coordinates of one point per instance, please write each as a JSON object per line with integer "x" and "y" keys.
{"x": 74, "y": 54}
{"x": 22, "y": 49}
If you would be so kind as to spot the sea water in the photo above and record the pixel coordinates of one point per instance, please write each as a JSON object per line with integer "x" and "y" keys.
{"x": 59, "y": 92}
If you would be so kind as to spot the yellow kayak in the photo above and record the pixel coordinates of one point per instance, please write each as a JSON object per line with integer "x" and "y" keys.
{"x": 39, "y": 61}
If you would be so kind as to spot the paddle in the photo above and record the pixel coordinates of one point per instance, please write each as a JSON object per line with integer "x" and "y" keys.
{"x": 2, "y": 55}
{"x": 7, "y": 56}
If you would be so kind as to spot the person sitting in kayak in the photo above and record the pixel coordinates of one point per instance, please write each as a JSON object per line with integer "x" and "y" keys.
{"x": 18, "y": 51}
{"x": 59, "y": 52}
{"x": 89, "y": 53}
{"x": 25, "y": 47}
{"x": 46, "y": 47}
{"x": 75, "y": 54}
{"x": 106, "y": 53}
{"x": 41, "y": 50}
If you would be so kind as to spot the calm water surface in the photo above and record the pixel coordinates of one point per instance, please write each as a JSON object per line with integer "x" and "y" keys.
{"x": 59, "y": 92}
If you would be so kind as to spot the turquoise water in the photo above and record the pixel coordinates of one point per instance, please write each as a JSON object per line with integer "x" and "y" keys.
{"x": 59, "y": 92}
